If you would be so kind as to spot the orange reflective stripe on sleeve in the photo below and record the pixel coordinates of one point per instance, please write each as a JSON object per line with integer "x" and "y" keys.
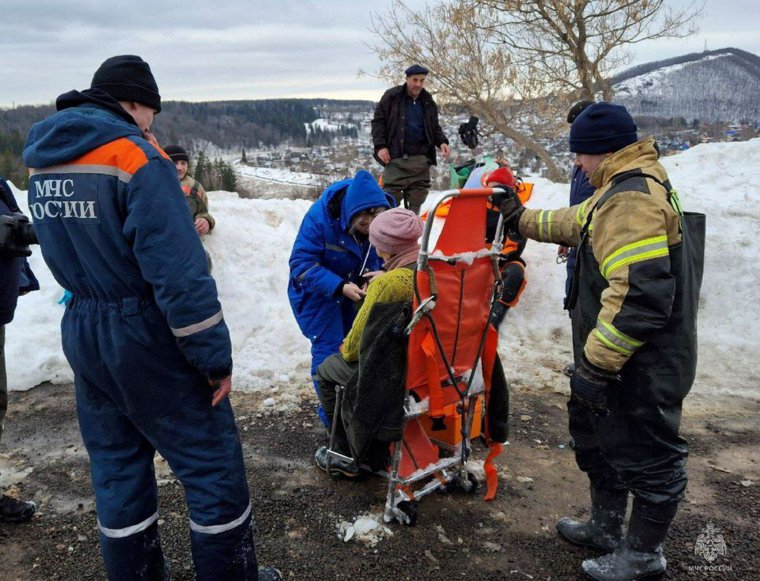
{"x": 121, "y": 154}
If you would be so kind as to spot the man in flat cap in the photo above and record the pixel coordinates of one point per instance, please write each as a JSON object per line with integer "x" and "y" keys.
{"x": 144, "y": 332}
{"x": 405, "y": 133}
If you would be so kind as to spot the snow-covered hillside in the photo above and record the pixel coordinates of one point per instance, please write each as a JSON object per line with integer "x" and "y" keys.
{"x": 717, "y": 86}
{"x": 251, "y": 245}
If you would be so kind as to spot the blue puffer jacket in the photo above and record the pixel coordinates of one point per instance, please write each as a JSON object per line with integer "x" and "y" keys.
{"x": 325, "y": 254}
{"x": 15, "y": 275}
{"x": 113, "y": 226}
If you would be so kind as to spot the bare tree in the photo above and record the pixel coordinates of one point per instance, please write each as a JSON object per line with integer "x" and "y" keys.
{"x": 518, "y": 64}
{"x": 575, "y": 45}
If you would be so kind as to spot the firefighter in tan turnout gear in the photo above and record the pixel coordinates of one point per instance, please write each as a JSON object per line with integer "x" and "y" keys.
{"x": 634, "y": 304}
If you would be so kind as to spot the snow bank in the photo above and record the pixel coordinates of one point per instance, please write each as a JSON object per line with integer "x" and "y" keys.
{"x": 251, "y": 245}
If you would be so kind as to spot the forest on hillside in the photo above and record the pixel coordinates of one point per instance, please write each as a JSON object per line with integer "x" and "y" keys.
{"x": 225, "y": 125}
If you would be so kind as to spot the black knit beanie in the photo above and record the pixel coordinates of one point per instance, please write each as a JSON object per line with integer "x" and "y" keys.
{"x": 577, "y": 109}
{"x": 177, "y": 153}
{"x": 128, "y": 78}
{"x": 602, "y": 128}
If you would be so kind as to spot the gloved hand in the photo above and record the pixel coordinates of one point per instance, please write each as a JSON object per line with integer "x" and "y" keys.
{"x": 511, "y": 208}
{"x": 589, "y": 385}
{"x": 16, "y": 234}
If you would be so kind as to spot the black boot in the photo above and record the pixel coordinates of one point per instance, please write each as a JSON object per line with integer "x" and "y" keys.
{"x": 640, "y": 556}
{"x": 15, "y": 511}
{"x": 604, "y": 530}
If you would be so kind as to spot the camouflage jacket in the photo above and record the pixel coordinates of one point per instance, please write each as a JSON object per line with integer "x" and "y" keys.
{"x": 196, "y": 199}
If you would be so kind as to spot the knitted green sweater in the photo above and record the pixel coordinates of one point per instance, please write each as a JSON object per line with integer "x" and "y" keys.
{"x": 396, "y": 285}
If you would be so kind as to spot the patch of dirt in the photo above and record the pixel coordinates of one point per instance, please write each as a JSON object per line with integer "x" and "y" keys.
{"x": 299, "y": 510}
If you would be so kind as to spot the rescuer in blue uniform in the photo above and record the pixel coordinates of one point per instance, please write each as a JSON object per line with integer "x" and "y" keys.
{"x": 331, "y": 263}
{"x": 144, "y": 332}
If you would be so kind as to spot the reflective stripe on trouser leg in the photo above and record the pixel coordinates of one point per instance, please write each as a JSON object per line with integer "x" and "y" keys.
{"x": 205, "y": 453}
{"x": 224, "y": 551}
{"x": 121, "y": 463}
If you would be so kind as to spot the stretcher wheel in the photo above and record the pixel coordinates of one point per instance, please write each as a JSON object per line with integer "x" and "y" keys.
{"x": 409, "y": 511}
{"x": 470, "y": 485}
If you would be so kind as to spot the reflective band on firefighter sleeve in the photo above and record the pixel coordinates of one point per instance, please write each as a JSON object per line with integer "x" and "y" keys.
{"x": 647, "y": 249}
{"x": 614, "y": 339}
{"x": 581, "y": 213}
{"x": 544, "y": 220}
{"x": 198, "y": 327}
{"x": 128, "y": 531}
{"x": 217, "y": 529}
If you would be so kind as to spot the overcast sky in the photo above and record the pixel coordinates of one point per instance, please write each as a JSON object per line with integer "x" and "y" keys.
{"x": 235, "y": 49}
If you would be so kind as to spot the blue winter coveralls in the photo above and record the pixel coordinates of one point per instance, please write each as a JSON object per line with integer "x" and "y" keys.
{"x": 143, "y": 333}
{"x": 326, "y": 254}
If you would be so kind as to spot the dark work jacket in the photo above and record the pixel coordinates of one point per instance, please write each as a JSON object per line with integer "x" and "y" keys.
{"x": 657, "y": 377}
{"x": 15, "y": 275}
{"x": 388, "y": 124}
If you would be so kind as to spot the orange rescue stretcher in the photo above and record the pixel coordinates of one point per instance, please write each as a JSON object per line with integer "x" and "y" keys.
{"x": 451, "y": 355}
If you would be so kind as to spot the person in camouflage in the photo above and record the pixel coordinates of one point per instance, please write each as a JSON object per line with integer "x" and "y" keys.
{"x": 194, "y": 192}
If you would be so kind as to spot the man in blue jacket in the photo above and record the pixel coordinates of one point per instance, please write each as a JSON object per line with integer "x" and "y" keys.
{"x": 331, "y": 263}
{"x": 144, "y": 331}
{"x": 16, "y": 278}
{"x": 580, "y": 191}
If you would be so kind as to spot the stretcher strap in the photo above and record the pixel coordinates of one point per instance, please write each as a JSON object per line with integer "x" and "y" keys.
{"x": 434, "y": 383}
{"x": 488, "y": 360}
{"x": 492, "y": 477}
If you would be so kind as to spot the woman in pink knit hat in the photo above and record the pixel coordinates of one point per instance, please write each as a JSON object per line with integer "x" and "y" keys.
{"x": 395, "y": 235}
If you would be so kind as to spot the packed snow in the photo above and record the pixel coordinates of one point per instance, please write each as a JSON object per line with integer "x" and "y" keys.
{"x": 252, "y": 241}
{"x": 278, "y": 176}
{"x": 368, "y": 529}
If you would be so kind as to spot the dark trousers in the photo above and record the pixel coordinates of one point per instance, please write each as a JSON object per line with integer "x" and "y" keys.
{"x": 136, "y": 393}
{"x": 636, "y": 447}
{"x": 3, "y": 381}
{"x": 408, "y": 180}
{"x": 331, "y": 372}
{"x": 334, "y": 371}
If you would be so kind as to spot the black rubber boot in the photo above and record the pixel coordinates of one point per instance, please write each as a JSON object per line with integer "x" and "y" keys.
{"x": 15, "y": 511}
{"x": 640, "y": 556}
{"x": 604, "y": 530}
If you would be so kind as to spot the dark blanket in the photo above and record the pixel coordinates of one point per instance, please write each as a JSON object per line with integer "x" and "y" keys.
{"x": 373, "y": 405}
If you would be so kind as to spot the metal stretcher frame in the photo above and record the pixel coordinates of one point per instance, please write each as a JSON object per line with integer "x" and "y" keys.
{"x": 417, "y": 447}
